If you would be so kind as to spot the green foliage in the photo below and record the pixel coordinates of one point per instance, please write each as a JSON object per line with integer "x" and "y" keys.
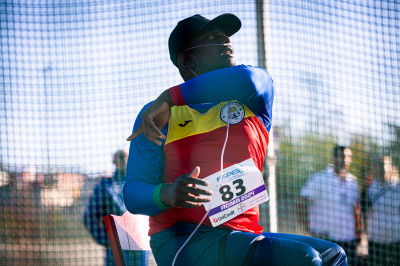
{"x": 364, "y": 150}
{"x": 298, "y": 158}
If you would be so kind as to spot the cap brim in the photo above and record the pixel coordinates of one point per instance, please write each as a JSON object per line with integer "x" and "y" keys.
{"x": 229, "y": 23}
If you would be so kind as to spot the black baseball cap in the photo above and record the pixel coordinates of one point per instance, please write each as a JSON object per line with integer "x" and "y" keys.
{"x": 189, "y": 27}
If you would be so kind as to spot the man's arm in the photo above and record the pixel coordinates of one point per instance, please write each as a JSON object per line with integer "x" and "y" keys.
{"x": 251, "y": 86}
{"x": 357, "y": 213}
{"x": 143, "y": 174}
{"x": 357, "y": 219}
{"x": 144, "y": 192}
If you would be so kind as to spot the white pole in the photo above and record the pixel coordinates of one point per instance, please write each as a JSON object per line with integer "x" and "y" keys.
{"x": 263, "y": 33}
{"x": 271, "y": 162}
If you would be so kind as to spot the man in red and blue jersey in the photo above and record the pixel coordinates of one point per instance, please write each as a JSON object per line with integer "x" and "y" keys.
{"x": 218, "y": 118}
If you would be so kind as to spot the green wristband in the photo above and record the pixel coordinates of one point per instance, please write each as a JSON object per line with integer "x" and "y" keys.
{"x": 156, "y": 198}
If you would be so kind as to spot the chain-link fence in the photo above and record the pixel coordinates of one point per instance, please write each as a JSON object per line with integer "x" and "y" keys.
{"x": 75, "y": 74}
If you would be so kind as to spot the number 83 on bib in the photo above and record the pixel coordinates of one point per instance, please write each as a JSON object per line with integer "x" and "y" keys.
{"x": 239, "y": 188}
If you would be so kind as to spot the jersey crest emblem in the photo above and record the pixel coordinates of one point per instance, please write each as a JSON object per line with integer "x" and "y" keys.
{"x": 232, "y": 113}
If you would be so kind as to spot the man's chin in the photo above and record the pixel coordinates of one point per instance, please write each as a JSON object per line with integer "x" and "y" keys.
{"x": 228, "y": 63}
{"x": 221, "y": 65}
{"x": 231, "y": 61}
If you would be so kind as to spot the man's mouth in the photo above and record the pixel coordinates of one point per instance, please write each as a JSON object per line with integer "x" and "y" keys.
{"x": 227, "y": 50}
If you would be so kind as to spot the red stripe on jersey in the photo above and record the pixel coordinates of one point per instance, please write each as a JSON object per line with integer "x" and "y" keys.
{"x": 176, "y": 95}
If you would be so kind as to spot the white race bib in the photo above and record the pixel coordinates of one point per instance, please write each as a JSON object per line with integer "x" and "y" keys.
{"x": 240, "y": 188}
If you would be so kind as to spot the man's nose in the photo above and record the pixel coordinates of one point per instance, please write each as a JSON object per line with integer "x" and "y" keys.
{"x": 224, "y": 38}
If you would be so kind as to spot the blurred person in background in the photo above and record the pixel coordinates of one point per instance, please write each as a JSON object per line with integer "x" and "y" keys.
{"x": 383, "y": 225}
{"x": 107, "y": 199}
{"x": 330, "y": 204}
{"x": 4, "y": 186}
{"x": 4, "y": 177}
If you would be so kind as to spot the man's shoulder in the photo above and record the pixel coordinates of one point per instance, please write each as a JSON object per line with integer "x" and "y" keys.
{"x": 242, "y": 68}
{"x": 254, "y": 69}
{"x": 322, "y": 173}
{"x": 316, "y": 178}
{"x": 247, "y": 66}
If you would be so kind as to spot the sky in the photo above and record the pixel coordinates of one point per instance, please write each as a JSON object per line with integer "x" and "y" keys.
{"x": 75, "y": 75}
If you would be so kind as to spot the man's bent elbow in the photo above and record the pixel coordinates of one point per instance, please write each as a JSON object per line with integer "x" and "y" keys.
{"x": 130, "y": 205}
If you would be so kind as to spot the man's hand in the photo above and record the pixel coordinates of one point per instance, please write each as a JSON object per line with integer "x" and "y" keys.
{"x": 154, "y": 118}
{"x": 183, "y": 192}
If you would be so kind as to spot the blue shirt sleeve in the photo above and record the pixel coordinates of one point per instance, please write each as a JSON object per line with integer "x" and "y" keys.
{"x": 143, "y": 173}
{"x": 252, "y": 86}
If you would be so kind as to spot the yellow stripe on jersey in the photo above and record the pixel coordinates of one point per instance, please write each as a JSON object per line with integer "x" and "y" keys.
{"x": 185, "y": 121}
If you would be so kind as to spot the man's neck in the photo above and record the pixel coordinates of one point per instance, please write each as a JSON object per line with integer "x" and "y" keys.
{"x": 192, "y": 73}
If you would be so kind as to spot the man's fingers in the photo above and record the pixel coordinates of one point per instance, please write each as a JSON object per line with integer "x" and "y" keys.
{"x": 192, "y": 201}
{"x": 187, "y": 180}
{"x": 195, "y": 173}
{"x": 155, "y": 140}
{"x": 192, "y": 178}
{"x": 137, "y": 132}
{"x": 154, "y": 130}
{"x": 198, "y": 191}
{"x": 131, "y": 137}
{"x": 154, "y": 135}
{"x": 196, "y": 199}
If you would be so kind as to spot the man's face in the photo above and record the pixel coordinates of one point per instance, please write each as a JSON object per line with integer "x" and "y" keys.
{"x": 120, "y": 159}
{"x": 342, "y": 161}
{"x": 384, "y": 168}
{"x": 210, "y": 57}
{"x": 348, "y": 157}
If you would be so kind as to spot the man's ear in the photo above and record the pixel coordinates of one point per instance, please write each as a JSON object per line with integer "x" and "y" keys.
{"x": 185, "y": 60}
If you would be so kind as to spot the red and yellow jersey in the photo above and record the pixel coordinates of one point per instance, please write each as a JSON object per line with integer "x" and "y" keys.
{"x": 196, "y": 139}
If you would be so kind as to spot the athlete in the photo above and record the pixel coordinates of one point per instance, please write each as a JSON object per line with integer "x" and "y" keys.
{"x": 218, "y": 118}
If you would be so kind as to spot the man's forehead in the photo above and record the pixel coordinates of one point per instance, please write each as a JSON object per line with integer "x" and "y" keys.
{"x": 348, "y": 152}
{"x": 121, "y": 154}
{"x": 342, "y": 154}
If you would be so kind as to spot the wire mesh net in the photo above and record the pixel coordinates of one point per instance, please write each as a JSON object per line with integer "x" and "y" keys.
{"x": 75, "y": 74}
